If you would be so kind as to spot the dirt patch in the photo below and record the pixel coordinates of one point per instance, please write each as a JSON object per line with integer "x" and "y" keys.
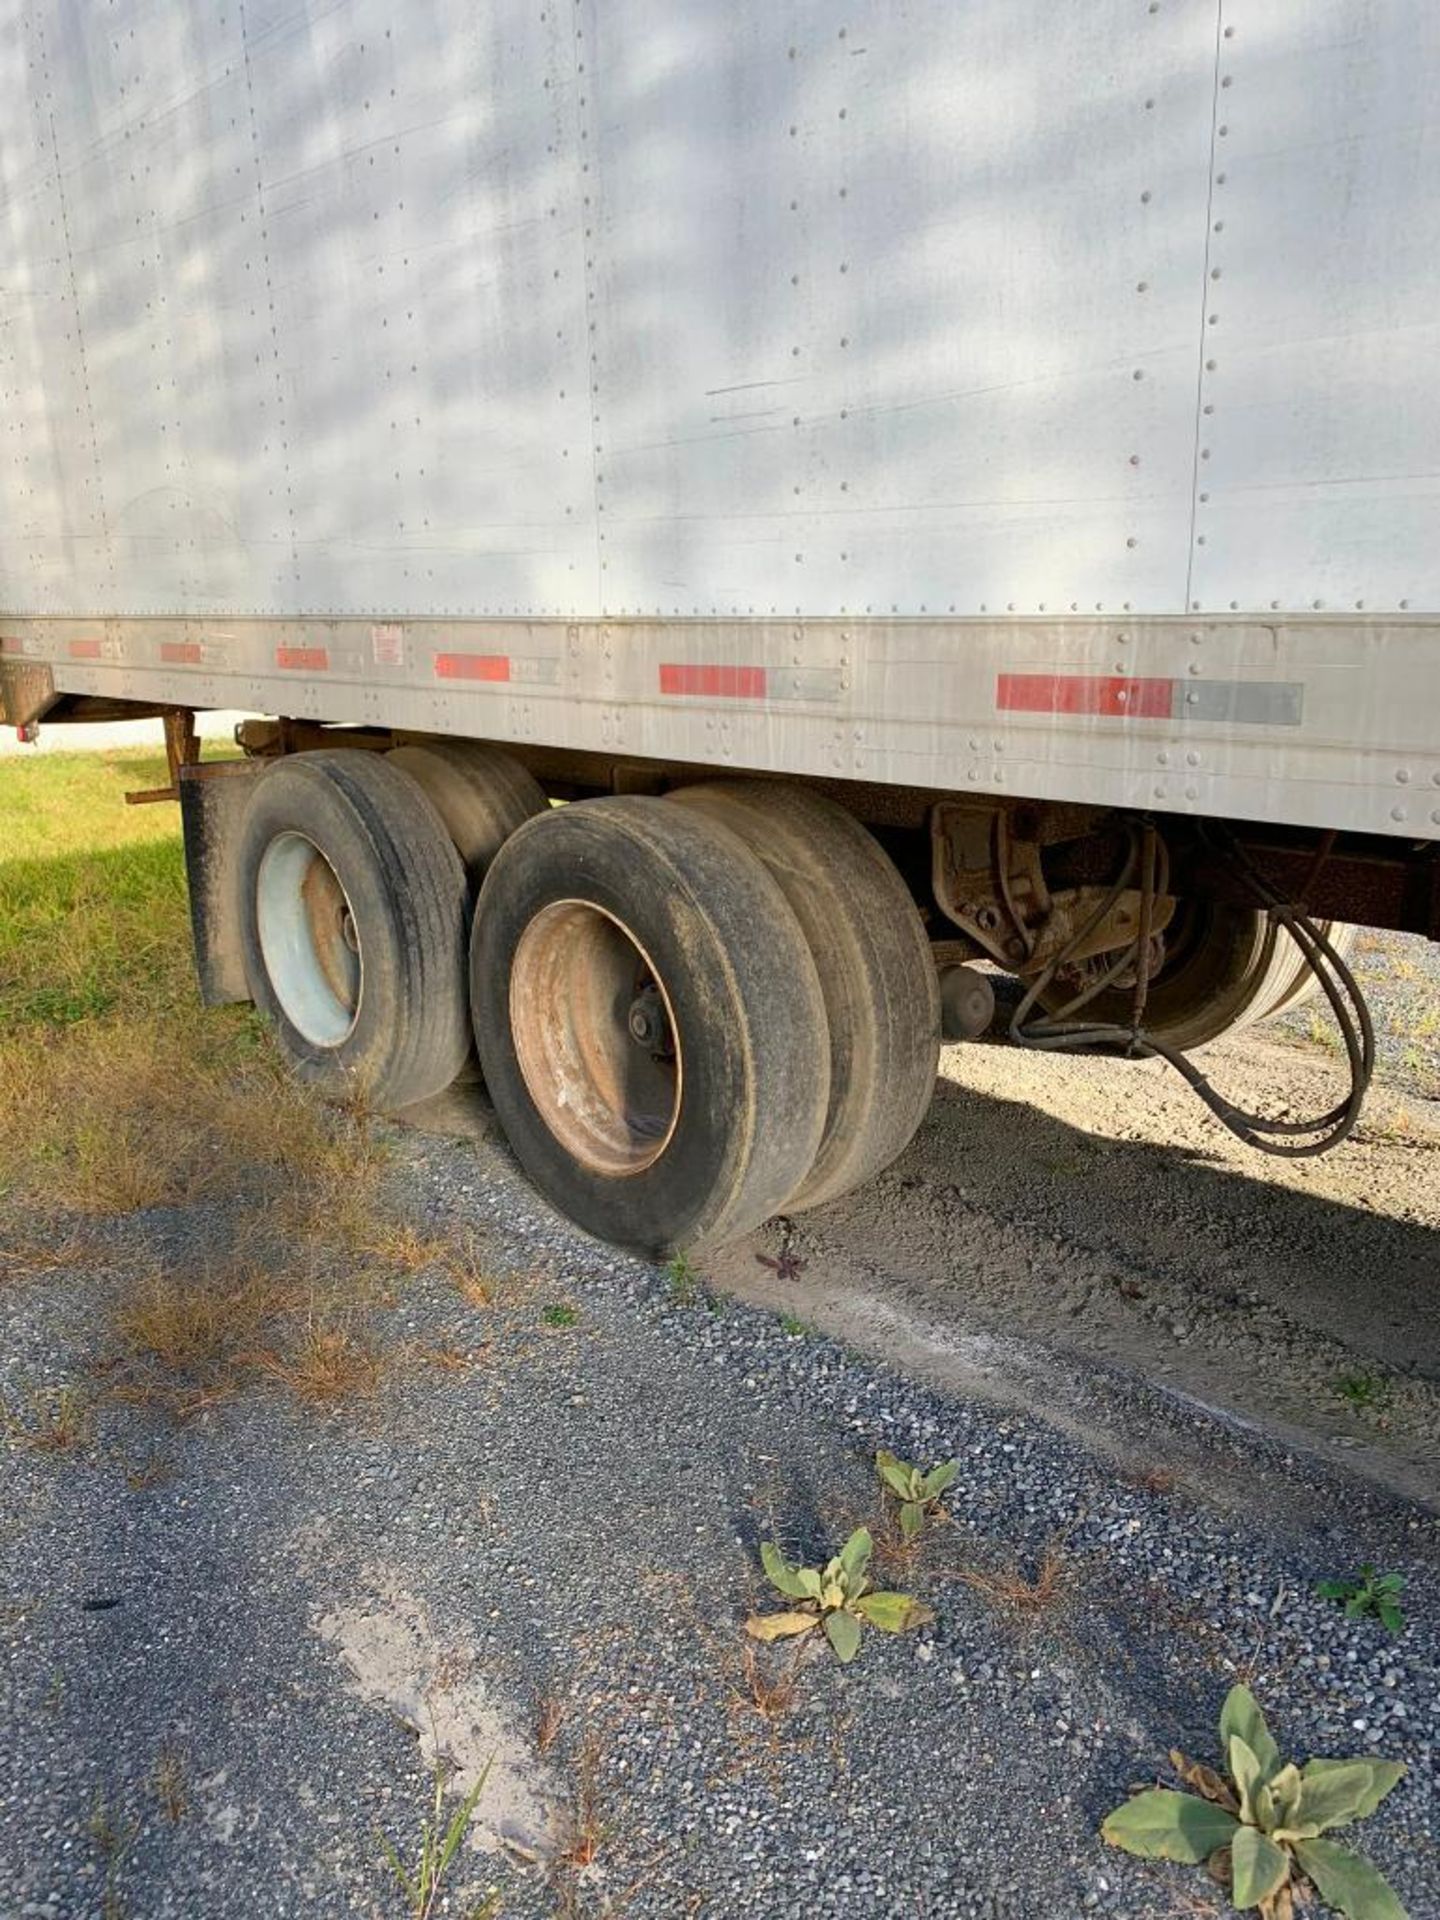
{"x": 1052, "y": 1208}
{"x": 1061, "y": 1220}
{"x": 395, "y": 1660}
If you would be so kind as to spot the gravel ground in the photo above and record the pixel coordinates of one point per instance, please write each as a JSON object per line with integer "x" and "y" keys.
{"x": 1057, "y": 1219}
{"x": 1400, "y": 973}
{"x": 554, "y": 1546}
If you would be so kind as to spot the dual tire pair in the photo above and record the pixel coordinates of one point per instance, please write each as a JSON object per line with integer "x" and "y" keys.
{"x": 690, "y": 1013}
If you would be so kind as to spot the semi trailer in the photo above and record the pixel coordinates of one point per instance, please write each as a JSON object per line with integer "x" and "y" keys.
{"x": 734, "y": 515}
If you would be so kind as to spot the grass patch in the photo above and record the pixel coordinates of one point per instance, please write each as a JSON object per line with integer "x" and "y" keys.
{"x": 93, "y": 916}
{"x": 1365, "y": 1392}
{"x": 124, "y": 1096}
{"x": 59, "y": 803}
{"x": 83, "y": 935}
{"x": 126, "y": 1113}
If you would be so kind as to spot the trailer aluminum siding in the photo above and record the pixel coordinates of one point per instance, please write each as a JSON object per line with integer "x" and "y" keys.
{"x": 1028, "y": 397}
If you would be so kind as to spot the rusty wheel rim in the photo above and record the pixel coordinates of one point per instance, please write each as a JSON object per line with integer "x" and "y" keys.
{"x": 596, "y": 1038}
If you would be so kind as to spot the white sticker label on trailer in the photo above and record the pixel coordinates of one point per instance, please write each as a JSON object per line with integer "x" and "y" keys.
{"x": 387, "y": 645}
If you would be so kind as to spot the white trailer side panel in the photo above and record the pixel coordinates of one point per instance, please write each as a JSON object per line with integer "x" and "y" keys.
{"x": 459, "y": 309}
{"x": 896, "y": 305}
{"x": 1016, "y": 393}
{"x": 1318, "y": 474}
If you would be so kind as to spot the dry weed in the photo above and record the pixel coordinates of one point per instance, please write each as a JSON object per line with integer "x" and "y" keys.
{"x": 898, "y": 1556}
{"x": 58, "y": 1421}
{"x": 189, "y": 1341}
{"x": 471, "y": 1281}
{"x": 1152, "y": 1479}
{"x": 26, "y": 1257}
{"x": 449, "y": 1359}
{"x": 168, "y": 1784}
{"x": 141, "y": 1476}
{"x": 198, "y": 1325}
{"x": 586, "y": 1831}
{"x": 325, "y": 1365}
{"x": 1009, "y": 1590}
{"x": 550, "y": 1713}
{"x": 766, "y": 1691}
{"x": 396, "y": 1244}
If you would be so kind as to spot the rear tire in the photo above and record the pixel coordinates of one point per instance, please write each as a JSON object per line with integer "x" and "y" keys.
{"x": 480, "y": 793}
{"x": 353, "y": 907}
{"x": 872, "y": 954}
{"x": 1231, "y": 967}
{"x": 606, "y": 931}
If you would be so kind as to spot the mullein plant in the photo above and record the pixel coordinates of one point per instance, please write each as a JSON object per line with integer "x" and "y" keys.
{"x": 1261, "y": 1830}
{"x": 918, "y": 1493}
{"x": 837, "y": 1599}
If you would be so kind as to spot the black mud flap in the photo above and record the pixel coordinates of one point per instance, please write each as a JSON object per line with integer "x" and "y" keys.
{"x": 213, "y": 800}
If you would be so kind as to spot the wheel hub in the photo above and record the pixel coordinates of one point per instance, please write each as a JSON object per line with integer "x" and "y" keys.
{"x": 309, "y": 940}
{"x": 649, "y": 1024}
{"x": 594, "y": 1038}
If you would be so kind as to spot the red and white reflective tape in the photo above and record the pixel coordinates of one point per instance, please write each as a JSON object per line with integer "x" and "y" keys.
{"x": 472, "y": 666}
{"x": 1261, "y": 703}
{"x": 303, "y": 659}
{"x": 713, "y": 682}
{"x": 499, "y": 669}
{"x": 182, "y": 653}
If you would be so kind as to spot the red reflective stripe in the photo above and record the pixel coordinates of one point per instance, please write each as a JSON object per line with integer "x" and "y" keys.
{"x": 181, "y": 653}
{"x": 1112, "y": 695}
{"x": 722, "y": 683}
{"x": 472, "y": 666}
{"x": 303, "y": 659}
{"x": 84, "y": 649}
{"x": 10, "y": 643}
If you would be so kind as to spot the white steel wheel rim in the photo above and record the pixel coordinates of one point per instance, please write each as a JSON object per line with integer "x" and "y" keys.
{"x": 308, "y": 940}
{"x": 578, "y": 982}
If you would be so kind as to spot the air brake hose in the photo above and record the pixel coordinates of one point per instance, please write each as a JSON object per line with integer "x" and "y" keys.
{"x": 1060, "y": 1033}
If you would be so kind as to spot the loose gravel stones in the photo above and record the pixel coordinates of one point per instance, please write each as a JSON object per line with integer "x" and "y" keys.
{"x": 554, "y": 1548}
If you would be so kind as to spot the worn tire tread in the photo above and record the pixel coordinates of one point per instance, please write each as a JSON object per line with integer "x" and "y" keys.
{"x": 877, "y": 976}
{"x": 755, "y": 1053}
{"x": 385, "y": 836}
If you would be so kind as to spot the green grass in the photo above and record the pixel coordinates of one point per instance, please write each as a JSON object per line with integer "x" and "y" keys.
{"x": 93, "y": 915}
{"x": 53, "y": 803}
{"x": 1364, "y": 1391}
{"x": 104, "y": 1047}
